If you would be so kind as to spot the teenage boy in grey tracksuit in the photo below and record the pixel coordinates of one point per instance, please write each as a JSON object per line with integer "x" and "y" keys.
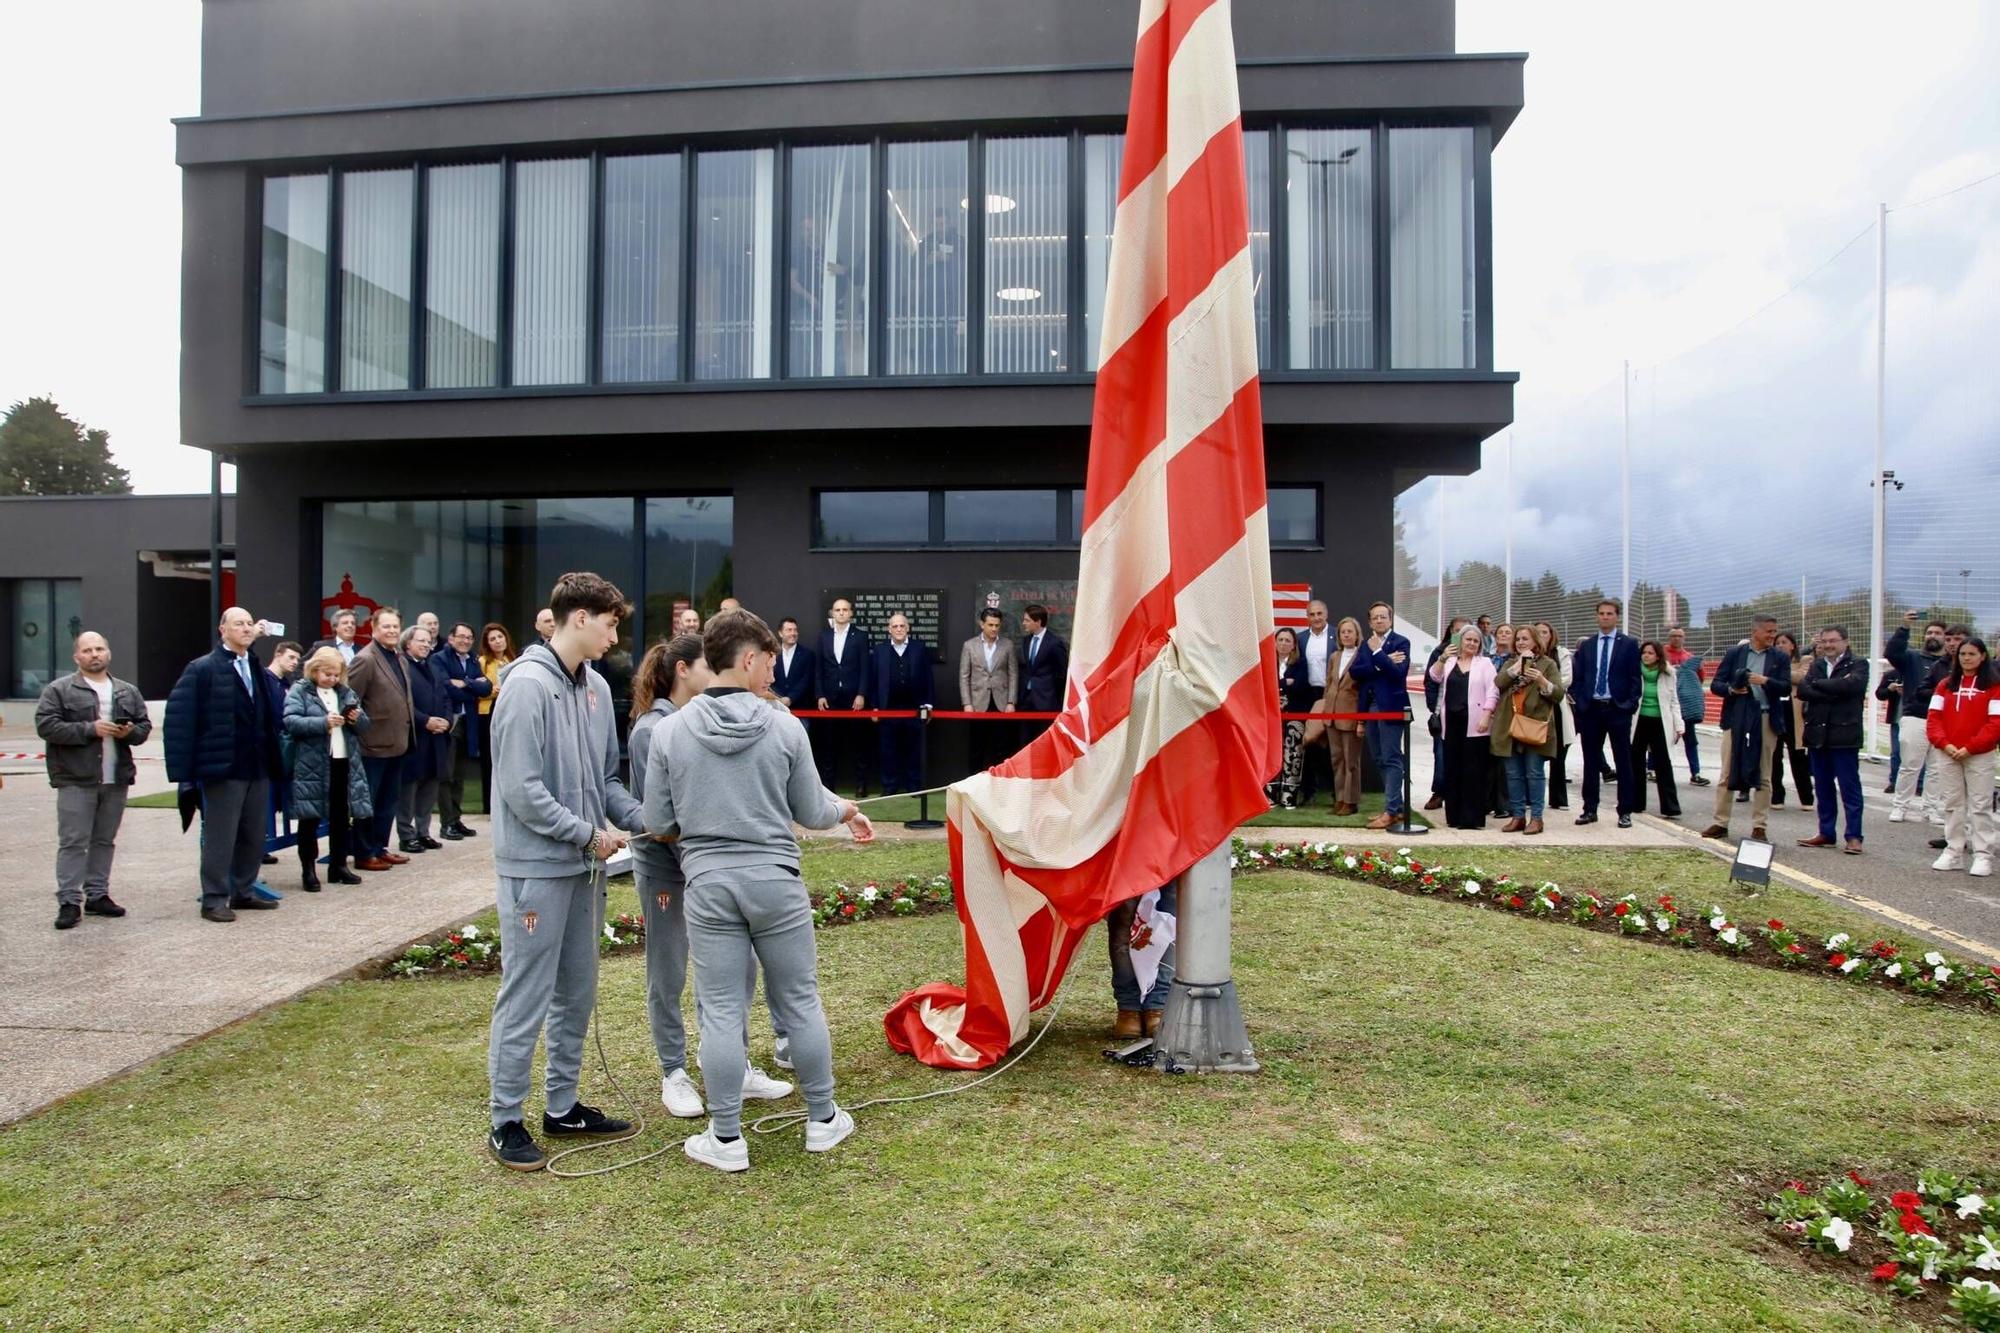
{"x": 557, "y": 818}
{"x": 730, "y": 777}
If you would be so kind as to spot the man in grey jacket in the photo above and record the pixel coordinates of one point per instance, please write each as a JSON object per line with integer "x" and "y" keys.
{"x": 730, "y": 777}
{"x": 557, "y": 819}
{"x": 89, "y": 721}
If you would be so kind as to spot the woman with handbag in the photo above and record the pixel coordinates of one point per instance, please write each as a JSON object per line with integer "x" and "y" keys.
{"x": 1658, "y": 728}
{"x": 1524, "y": 727}
{"x": 1468, "y": 696}
{"x": 1563, "y": 723}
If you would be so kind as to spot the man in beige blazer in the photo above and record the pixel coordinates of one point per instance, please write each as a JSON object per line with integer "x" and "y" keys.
{"x": 987, "y": 684}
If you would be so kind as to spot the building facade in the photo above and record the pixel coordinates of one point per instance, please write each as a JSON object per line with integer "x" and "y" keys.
{"x": 786, "y": 300}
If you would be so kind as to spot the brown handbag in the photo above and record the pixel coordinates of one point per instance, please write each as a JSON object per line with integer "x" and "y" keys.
{"x": 1532, "y": 732}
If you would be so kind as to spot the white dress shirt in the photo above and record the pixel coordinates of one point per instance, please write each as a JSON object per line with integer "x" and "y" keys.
{"x": 1316, "y": 645}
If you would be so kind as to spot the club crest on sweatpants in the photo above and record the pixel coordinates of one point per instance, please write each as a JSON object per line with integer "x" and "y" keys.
{"x": 665, "y": 898}
{"x": 528, "y": 920}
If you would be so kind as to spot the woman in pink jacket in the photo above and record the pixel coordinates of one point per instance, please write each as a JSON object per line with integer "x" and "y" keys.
{"x": 1468, "y": 696}
{"x": 1964, "y": 729}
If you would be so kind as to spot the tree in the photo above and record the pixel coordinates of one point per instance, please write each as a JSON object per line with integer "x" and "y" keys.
{"x": 44, "y": 452}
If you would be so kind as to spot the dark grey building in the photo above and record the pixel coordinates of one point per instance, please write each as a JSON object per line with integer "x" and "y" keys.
{"x": 134, "y": 568}
{"x": 778, "y": 299}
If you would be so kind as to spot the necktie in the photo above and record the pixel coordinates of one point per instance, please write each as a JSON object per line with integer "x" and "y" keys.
{"x": 1603, "y": 666}
{"x": 243, "y": 671}
{"x": 1034, "y": 646}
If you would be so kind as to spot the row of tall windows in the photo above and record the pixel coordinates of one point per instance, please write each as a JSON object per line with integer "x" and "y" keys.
{"x": 838, "y": 260}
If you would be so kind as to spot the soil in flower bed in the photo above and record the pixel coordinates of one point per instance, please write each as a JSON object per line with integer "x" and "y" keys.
{"x": 1970, "y": 986}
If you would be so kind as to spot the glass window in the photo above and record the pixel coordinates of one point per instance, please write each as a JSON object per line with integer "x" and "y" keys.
{"x": 47, "y": 617}
{"x": 1027, "y": 256}
{"x": 1294, "y": 515}
{"x": 1257, "y": 178}
{"x": 827, "y": 283}
{"x": 925, "y": 220}
{"x": 1076, "y": 515}
{"x": 1329, "y": 202}
{"x": 1103, "y": 157}
{"x": 689, "y": 557}
{"x": 1000, "y": 518}
{"x": 642, "y": 269}
{"x": 291, "y": 338}
{"x": 377, "y": 219}
{"x": 462, "y": 276}
{"x": 734, "y": 200}
{"x": 551, "y": 270}
{"x": 1433, "y": 297}
{"x": 872, "y": 518}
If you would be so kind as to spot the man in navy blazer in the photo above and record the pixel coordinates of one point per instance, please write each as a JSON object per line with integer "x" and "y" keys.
{"x": 795, "y": 678}
{"x": 900, "y": 677}
{"x": 843, "y": 686}
{"x": 1382, "y": 667}
{"x": 1042, "y": 668}
{"x": 1604, "y": 693}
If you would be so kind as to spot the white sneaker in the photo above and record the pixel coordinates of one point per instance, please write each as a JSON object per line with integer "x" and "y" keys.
{"x": 759, "y": 1086}
{"x": 1982, "y": 866}
{"x": 711, "y": 1151}
{"x": 680, "y": 1096}
{"x": 1949, "y": 859}
{"x": 782, "y": 1056}
{"x": 1896, "y": 815}
{"x": 826, "y": 1137}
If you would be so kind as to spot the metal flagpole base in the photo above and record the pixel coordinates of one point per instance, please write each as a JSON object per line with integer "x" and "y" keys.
{"x": 1406, "y": 829}
{"x": 1202, "y": 1030}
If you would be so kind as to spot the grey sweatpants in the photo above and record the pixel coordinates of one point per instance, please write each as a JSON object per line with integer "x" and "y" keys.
{"x": 548, "y": 974}
{"x": 663, "y": 903}
{"x": 87, "y": 820}
{"x": 234, "y": 814}
{"x": 734, "y": 923}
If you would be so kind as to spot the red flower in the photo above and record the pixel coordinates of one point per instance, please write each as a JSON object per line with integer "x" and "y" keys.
{"x": 460, "y": 958}
{"x": 1797, "y": 1187}
{"x": 452, "y": 939}
{"x": 1835, "y": 961}
{"x": 1905, "y": 1201}
{"x": 1417, "y": 867}
{"x": 1914, "y": 1225}
{"x": 1886, "y": 1272}
{"x": 1515, "y": 902}
{"x": 1795, "y": 948}
{"x": 1621, "y": 909}
{"x": 1554, "y": 897}
{"x": 847, "y": 909}
{"x": 1882, "y": 949}
{"x": 1775, "y": 924}
{"x": 1857, "y": 1179}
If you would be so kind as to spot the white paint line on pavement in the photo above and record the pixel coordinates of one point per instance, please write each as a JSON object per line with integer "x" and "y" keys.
{"x": 1725, "y": 851}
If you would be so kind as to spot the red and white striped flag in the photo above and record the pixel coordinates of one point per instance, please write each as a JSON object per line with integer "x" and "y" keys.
{"x": 1290, "y": 604}
{"x": 1170, "y": 723}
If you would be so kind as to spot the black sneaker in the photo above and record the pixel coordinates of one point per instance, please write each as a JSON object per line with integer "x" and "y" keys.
{"x": 102, "y": 907}
{"x": 1939, "y": 844}
{"x": 513, "y": 1147}
{"x": 1698, "y": 780}
{"x": 67, "y": 915}
{"x": 450, "y": 833}
{"x": 582, "y": 1120}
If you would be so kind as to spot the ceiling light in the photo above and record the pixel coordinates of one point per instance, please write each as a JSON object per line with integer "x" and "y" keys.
{"x": 1019, "y": 293}
{"x": 995, "y": 203}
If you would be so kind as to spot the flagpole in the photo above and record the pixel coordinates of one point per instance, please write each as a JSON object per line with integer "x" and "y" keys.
{"x": 1202, "y": 1030}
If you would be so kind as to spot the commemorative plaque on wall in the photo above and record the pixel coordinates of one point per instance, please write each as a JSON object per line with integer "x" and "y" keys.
{"x": 873, "y": 607}
{"x": 1010, "y": 595}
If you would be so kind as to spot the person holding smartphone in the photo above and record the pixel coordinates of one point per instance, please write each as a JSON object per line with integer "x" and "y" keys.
{"x": 89, "y": 721}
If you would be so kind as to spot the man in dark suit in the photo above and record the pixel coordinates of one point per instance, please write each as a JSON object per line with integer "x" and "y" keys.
{"x": 1382, "y": 666}
{"x": 1754, "y": 682}
{"x": 222, "y": 736}
{"x": 900, "y": 676}
{"x": 796, "y": 680}
{"x": 1835, "y": 692}
{"x": 1043, "y": 668}
{"x": 461, "y": 684}
{"x": 1315, "y": 642}
{"x": 843, "y": 686}
{"x": 343, "y": 641}
{"x": 1604, "y": 694}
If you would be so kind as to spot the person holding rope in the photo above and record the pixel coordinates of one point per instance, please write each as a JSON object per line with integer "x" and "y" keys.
{"x": 557, "y": 819}
{"x": 673, "y": 672}
{"x": 730, "y": 778}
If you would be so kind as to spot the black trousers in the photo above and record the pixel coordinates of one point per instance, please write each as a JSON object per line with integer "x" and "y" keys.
{"x": 839, "y": 745}
{"x": 1649, "y": 746}
{"x": 1801, "y": 775}
{"x": 336, "y": 824}
{"x": 901, "y": 742}
{"x": 485, "y": 723}
{"x": 1466, "y": 795}
{"x": 1596, "y": 722}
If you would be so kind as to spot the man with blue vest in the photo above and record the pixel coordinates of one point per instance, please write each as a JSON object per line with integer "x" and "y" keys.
{"x": 1382, "y": 666}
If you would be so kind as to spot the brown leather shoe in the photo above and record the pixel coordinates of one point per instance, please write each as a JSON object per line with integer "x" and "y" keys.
{"x": 1345, "y": 808}
{"x": 1716, "y": 831}
{"x": 1816, "y": 840}
{"x": 1434, "y": 803}
{"x": 1127, "y": 1024}
{"x": 1514, "y": 825}
{"x": 373, "y": 863}
{"x": 1759, "y": 835}
{"x": 395, "y": 858}
{"x": 1382, "y": 820}
{"x": 1534, "y": 826}
{"x": 1853, "y": 847}
{"x": 1153, "y": 1018}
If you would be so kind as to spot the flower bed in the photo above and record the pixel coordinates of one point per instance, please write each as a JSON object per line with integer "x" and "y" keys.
{"x": 1656, "y": 918}
{"x": 469, "y": 950}
{"x": 1937, "y": 1241}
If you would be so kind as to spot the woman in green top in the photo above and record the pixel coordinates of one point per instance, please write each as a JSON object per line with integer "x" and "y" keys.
{"x": 1658, "y": 729}
{"x": 1531, "y": 681}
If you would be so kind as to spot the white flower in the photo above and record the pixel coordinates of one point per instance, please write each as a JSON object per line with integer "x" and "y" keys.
{"x": 1470, "y": 887}
{"x": 1893, "y": 971}
{"x": 1400, "y": 872}
{"x": 1985, "y": 1254}
{"x": 1349, "y": 862}
{"x": 1941, "y": 974}
{"x": 1838, "y": 942}
{"x": 1840, "y": 1231}
{"x": 1661, "y": 924}
{"x": 1716, "y": 920}
{"x": 609, "y": 933}
{"x": 870, "y": 894}
{"x": 1403, "y": 852}
{"x": 1933, "y": 959}
{"x": 1729, "y": 936}
{"x": 1850, "y": 965}
{"x": 1971, "y": 1205}
{"x": 470, "y": 932}
{"x": 1980, "y": 1284}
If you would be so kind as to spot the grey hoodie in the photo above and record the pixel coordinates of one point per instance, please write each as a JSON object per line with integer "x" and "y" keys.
{"x": 733, "y": 774}
{"x": 660, "y": 860}
{"x": 555, "y": 768}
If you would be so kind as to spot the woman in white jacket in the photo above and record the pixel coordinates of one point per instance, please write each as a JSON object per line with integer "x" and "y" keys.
{"x": 1658, "y": 729}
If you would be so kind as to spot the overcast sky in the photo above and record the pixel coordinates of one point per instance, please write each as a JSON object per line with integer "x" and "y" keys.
{"x": 1676, "y": 170}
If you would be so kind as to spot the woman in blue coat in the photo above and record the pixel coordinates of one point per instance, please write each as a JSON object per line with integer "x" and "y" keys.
{"x": 322, "y": 722}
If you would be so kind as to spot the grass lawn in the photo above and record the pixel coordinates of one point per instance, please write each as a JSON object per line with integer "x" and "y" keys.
{"x": 1465, "y": 1121}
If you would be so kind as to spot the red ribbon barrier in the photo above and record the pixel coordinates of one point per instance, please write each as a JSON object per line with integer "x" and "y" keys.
{"x": 960, "y": 715}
